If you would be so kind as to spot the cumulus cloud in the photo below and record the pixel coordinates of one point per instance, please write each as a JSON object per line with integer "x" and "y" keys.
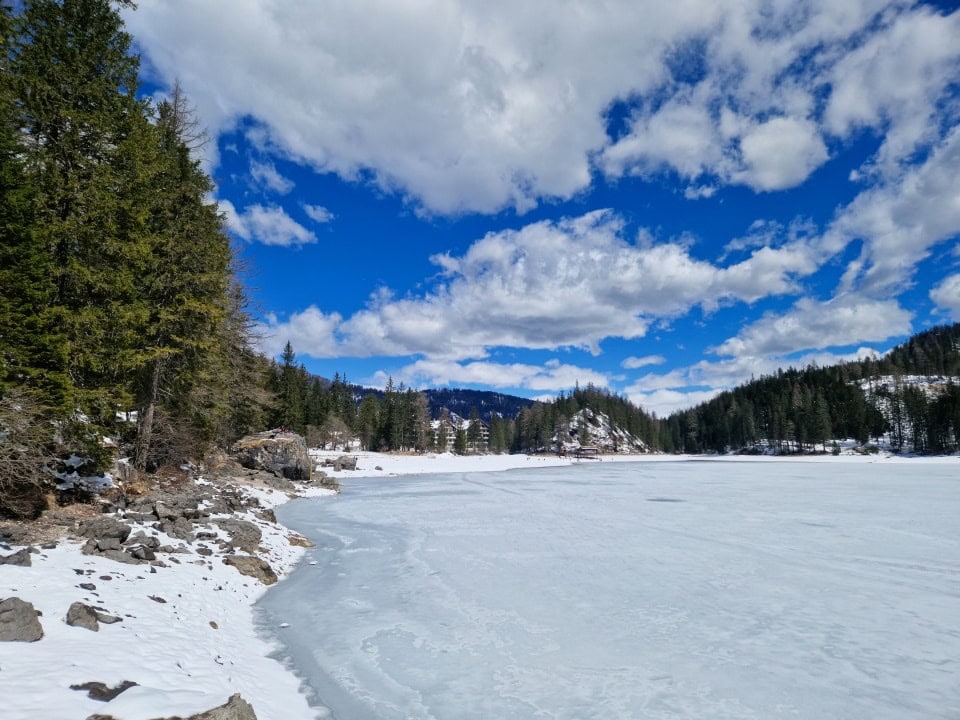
{"x": 895, "y": 79}
{"x": 899, "y": 221}
{"x": 266, "y": 175}
{"x": 311, "y": 332}
{"x": 465, "y": 106}
{"x": 318, "y": 213}
{"x": 947, "y": 296}
{"x": 548, "y": 285}
{"x": 780, "y": 153}
{"x": 269, "y": 225}
{"x": 552, "y": 375}
{"x": 815, "y": 325}
{"x": 633, "y": 363}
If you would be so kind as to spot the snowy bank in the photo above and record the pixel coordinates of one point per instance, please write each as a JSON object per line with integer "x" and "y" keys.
{"x": 187, "y": 635}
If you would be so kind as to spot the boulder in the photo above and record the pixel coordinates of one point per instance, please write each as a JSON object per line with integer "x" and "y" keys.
{"x": 236, "y": 708}
{"x": 80, "y": 615}
{"x": 20, "y": 557}
{"x": 244, "y": 535}
{"x": 104, "y": 528}
{"x": 18, "y": 621}
{"x": 252, "y": 566}
{"x": 283, "y": 454}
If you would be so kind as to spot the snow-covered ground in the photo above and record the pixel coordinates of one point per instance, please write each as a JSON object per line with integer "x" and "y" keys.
{"x": 193, "y": 651}
{"x": 725, "y": 589}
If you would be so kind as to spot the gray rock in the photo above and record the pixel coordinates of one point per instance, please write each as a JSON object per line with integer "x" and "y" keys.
{"x": 236, "y": 708}
{"x": 80, "y": 615}
{"x": 110, "y": 543}
{"x": 279, "y": 483}
{"x": 244, "y": 535}
{"x": 181, "y": 528}
{"x": 253, "y": 567}
{"x": 18, "y": 621}
{"x": 104, "y": 528}
{"x": 20, "y": 557}
{"x": 141, "y": 552}
{"x": 101, "y": 691}
{"x": 283, "y": 454}
{"x": 141, "y": 538}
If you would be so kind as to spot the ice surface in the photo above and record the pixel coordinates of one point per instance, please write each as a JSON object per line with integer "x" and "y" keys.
{"x": 642, "y": 590}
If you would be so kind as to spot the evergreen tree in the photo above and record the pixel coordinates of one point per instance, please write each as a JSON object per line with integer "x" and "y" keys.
{"x": 79, "y": 125}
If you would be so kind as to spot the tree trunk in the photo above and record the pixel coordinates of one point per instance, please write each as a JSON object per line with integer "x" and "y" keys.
{"x": 145, "y": 420}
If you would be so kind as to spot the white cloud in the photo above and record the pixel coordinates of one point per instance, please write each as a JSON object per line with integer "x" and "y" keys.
{"x": 947, "y": 296}
{"x": 552, "y": 375}
{"x": 311, "y": 332}
{"x": 809, "y": 324}
{"x": 269, "y": 225}
{"x": 318, "y": 213}
{"x": 266, "y": 175}
{"x": 570, "y": 283}
{"x": 633, "y": 363}
{"x": 780, "y": 153}
{"x": 467, "y": 106}
{"x": 900, "y": 221}
{"x": 894, "y": 81}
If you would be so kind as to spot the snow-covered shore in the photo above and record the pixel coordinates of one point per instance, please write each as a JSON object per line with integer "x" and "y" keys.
{"x": 187, "y": 636}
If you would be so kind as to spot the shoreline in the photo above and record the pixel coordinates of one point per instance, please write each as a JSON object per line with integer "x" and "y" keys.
{"x": 188, "y": 635}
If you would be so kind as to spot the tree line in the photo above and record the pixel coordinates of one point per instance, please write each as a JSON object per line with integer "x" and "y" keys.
{"x": 795, "y": 410}
{"x": 117, "y": 283}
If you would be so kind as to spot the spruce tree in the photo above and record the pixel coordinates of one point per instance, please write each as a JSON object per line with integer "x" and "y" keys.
{"x": 74, "y": 84}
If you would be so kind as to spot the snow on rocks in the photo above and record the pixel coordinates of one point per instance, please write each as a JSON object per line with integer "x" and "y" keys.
{"x": 172, "y": 619}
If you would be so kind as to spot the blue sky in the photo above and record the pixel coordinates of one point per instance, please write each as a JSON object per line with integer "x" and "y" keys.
{"x": 660, "y": 198}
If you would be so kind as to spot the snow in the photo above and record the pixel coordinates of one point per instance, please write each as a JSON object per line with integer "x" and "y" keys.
{"x": 557, "y": 593}
{"x": 704, "y": 588}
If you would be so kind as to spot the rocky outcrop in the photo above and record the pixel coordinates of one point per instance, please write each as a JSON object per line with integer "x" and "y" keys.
{"x": 236, "y": 708}
{"x": 244, "y": 535}
{"x": 283, "y": 454}
{"x": 20, "y": 557}
{"x": 18, "y": 621}
{"x": 252, "y": 566}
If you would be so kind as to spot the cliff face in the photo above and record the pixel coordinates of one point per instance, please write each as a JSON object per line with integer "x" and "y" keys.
{"x": 279, "y": 452}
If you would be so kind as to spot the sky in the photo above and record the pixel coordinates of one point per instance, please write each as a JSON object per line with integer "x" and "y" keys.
{"x": 662, "y": 199}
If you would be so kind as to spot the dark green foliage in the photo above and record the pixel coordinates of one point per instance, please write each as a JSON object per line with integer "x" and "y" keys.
{"x": 116, "y": 289}
{"x": 796, "y": 410}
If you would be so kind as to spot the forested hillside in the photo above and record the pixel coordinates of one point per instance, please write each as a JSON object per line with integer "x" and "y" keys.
{"x": 911, "y": 394}
{"x": 116, "y": 282}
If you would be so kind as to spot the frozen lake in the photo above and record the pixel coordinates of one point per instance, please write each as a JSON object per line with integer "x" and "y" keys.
{"x": 681, "y": 590}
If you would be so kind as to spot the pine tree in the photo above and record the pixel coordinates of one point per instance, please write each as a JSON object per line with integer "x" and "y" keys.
{"x": 75, "y": 82}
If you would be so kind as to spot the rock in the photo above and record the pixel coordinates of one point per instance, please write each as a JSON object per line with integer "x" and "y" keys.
{"x": 283, "y": 454}
{"x": 267, "y": 516}
{"x": 252, "y": 566}
{"x": 108, "y": 544}
{"x": 279, "y": 483}
{"x": 181, "y": 528}
{"x": 244, "y": 535}
{"x": 141, "y": 538}
{"x": 141, "y": 552}
{"x": 88, "y": 586}
{"x": 299, "y": 541}
{"x": 106, "y": 618}
{"x": 80, "y": 615}
{"x": 100, "y": 691}
{"x": 18, "y": 621}
{"x": 236, "y": 708}
{"x": 20, "y": 557}
{"x": 158, "y": 599}
{"x": 104, "y": 528}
